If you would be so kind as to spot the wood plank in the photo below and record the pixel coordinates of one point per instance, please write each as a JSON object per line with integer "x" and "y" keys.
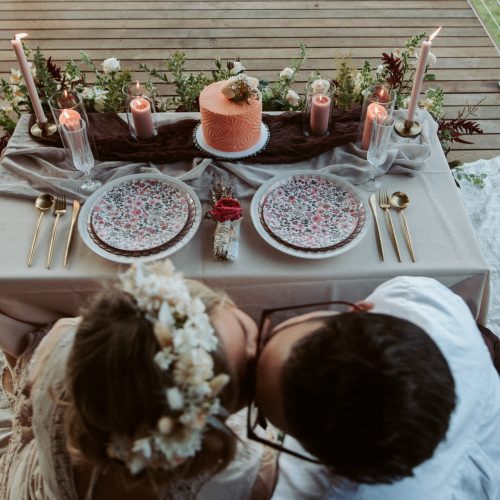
{"x": 229, "y": 5}
{"x": 473, "y": 155}
{"x": 239, "y": 14}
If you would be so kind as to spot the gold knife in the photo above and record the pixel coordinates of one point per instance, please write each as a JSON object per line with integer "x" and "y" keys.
{"x": 373, "y": 204}
{"x": 74, "y": 216}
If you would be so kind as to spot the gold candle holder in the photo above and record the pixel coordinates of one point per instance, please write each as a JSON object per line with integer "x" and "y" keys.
{"x": 43, "y": 129}
{"x": 408, "y": 128}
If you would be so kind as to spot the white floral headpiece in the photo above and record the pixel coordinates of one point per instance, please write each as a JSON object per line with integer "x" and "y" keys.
{"x": 186, "y": 337}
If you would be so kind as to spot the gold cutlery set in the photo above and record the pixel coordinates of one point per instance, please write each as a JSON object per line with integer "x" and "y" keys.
{"x": 43, "y": 204}
{"x": 397, "y": 201}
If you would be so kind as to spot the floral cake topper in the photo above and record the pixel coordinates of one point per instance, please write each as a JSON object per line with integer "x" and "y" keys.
{"x": 241, "y": 88}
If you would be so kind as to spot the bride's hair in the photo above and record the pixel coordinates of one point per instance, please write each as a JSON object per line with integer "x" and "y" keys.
{"x": 117, "y": 388}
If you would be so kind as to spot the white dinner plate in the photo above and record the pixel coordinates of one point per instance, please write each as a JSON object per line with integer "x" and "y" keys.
{"x": 364, "y": 220}
{"x": 124, "y": 258}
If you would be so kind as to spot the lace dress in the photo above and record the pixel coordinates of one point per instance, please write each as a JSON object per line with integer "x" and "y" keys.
{"x": 34, "y": 463}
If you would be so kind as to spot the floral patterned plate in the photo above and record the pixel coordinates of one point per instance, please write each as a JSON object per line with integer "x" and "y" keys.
{"x": 310, "y": 211}
{"x": 140, "y": 214}
{"x": 362, "y": 226}
{"x": 91, "y": 240}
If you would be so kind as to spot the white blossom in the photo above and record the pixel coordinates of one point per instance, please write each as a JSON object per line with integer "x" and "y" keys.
{"x": 320, "y": 86}
{"x": 292, "y": 97}
{"x": 237, "y": 68}
{"x": 163, "y": 359}
{"x": 427, "y": 103}
{"x": 100, "y": 97}
{"x": 380, "y": 69}
{"x": 175, "y": 398}
{"x": 88, "y": 93}
{"x": 15, "y": 76}
{"x": 287, "y": 73}
{"x": 111, "y": 65}
{"x": 406, "y": 102}
{"x": 411, "y": 51}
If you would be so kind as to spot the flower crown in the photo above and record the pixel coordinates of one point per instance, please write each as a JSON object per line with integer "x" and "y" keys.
{"x": 186, "y": 337}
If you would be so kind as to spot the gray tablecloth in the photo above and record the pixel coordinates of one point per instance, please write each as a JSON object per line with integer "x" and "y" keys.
{"x": 445, "y": 245}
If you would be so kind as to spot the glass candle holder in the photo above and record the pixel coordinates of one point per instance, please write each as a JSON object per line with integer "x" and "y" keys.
{"x": 378, "y": 101}
{"x": 71, "y": 104}
{"x": 140, "y": 108}
{"x": 318, "y": 108}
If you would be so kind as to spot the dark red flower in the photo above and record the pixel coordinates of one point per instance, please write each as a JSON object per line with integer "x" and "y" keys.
{"x": 226, "y": 209}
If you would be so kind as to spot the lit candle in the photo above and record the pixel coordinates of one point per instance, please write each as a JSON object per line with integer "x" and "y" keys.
{"x": 320, "y": 114}
{"x": 28, "y": 78}
{"x": 70, "y": 119}
{"x": 419, "y": 75}
{"x": 374, "y": 109}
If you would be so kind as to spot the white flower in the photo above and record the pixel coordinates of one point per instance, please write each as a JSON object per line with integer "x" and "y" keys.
{"x": 175, "y": 398}
{"x": 320, "y": 86}
{"x": 358, "y": 83}
{"x": 99, "y": 98}
{"x": 411, "y": 51}
{"x": 292, "y": 97}
{"x": 406, "y": 102}
{"x": 163, "y": 359}
{"x": 88, "y": 93}
{"x": 142, "y": 446}
{"x": 7, "y": 108}
{"x": 427, "y": 103}
{"x": 15, "y": 76}
{"x": 111, "y": 65}
{"x": 397, "y": 53}
{"x": 431, "y": 59}
{"x": 287, "y": 73}
{"x": 237, "y": 68}
{"x": 380, "y": 69}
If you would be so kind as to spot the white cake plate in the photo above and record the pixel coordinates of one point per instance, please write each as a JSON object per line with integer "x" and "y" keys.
{"x": 200, "y": 143}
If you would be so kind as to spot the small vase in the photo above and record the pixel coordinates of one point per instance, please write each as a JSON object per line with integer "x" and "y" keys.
{"x": 140, "y": 108}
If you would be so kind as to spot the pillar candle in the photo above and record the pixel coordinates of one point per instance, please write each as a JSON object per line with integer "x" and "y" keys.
{"x": 28, "y": 77}
{"x": 419, "y": 75}
{"x": 320, "y": 114}
{"x": 143, "y": 119}
{"x": 70, "y": 119}
{"x": 373, "y": 110}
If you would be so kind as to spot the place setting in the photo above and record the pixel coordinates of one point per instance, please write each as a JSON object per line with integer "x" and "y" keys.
{"x": 140, "y": 217}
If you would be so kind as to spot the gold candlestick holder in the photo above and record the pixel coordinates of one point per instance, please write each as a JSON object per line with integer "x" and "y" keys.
{"x": 408, "y": 128}
{"x": 43, "y": 129}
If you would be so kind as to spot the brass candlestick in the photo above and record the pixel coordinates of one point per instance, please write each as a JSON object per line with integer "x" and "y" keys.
{"x": 408, "y": 128}
{"x": 43, "y": 129}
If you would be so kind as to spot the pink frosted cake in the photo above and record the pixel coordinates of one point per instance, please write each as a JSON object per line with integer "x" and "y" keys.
{"x": 228, "y": 125}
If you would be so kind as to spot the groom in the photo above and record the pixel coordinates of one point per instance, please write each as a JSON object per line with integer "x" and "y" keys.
{"x": 400, "y": 401}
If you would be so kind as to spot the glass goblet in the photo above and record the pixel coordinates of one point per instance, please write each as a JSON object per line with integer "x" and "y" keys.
{"x": 75, "y": 133}
{"x": 377, "y": 151}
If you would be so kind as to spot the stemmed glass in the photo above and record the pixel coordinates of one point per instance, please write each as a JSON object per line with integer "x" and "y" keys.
{"x": 75, "y": 133}
{"x": 377, "y": 151}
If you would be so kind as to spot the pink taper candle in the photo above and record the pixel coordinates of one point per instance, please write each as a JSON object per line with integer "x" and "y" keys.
{"x": 419, "y": 75}
{"x": 143, "y": 120}
{"x": 28, "y": 78}
{"x": 373, "y": 110}
{"x": 320, "y": 114}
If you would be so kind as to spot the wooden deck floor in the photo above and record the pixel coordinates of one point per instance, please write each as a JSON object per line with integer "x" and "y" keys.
{"x": 266, "y": 36}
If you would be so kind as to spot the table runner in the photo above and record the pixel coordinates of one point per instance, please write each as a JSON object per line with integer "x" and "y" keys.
{"x": 30, "y": 168}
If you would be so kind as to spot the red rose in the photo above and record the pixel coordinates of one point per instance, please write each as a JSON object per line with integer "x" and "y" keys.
{"x": 226, "y": 209}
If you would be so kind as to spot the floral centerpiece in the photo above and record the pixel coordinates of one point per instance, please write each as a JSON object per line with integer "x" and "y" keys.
{"x": 396, "y": 70}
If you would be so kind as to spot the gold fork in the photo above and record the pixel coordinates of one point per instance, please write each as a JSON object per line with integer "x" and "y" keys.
{"x": 385, "y": 205}
{"x": 59, "y": 209}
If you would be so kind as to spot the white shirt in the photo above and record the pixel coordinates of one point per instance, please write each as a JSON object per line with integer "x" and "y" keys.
{"x": 466, "y": 464}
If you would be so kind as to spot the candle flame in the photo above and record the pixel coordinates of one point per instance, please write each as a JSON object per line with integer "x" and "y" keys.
{"x": 65, "y": 93}
{"x": 20, "y": 36}
{"x": 435, "y": 34}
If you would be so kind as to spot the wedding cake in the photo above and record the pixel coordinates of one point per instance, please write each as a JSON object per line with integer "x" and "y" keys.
{"x": 231, "y": 114}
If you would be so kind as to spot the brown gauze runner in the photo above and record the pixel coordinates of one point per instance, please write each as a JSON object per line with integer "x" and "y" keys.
{"x": 174, "y": 142}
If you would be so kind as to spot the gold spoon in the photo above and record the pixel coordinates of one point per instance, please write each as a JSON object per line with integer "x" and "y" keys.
{"x": 400, "y": 201}
{"x": 43, "y": 203}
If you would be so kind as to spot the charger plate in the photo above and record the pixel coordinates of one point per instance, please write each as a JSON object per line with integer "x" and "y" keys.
{"x": 200, "y": 143}
{"x": 311, "y": 215}
{"x": 185, "y": 234}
